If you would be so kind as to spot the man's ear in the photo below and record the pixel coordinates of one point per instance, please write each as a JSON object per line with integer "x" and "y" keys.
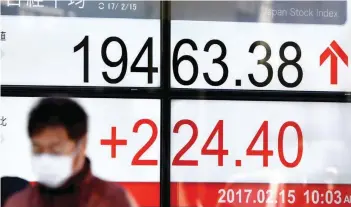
{"x": 83, "y": 143}
{"x": 79, "y": 161}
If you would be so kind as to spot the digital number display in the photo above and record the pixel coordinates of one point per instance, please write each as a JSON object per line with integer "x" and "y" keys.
{"x": 225, "y": 152}
{"x": 235, "y": 152}
{"x": 261, "y": 45}
{"x": 81, "y": 43}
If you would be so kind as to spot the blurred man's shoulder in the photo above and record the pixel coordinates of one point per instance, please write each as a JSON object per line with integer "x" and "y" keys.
{"x": 114, "y": 193}
{"x": 108, "y": 188}
{"x": 20, "y": 198}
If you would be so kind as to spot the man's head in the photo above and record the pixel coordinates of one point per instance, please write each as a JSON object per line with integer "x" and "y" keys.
{"x": 58, "y": 129}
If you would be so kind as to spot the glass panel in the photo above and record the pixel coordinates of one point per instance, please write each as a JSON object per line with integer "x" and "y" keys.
{"x": 85, "y": 43}
{"x": 263, "y": 153}
{"x": 261, "y": 45}
{"x": 80, "y": 43}
{"x": 260, "y": 153}
{"x": 123, "y": 147}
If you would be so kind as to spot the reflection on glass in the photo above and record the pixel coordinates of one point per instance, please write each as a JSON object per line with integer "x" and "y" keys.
{"x": 303, "y": 12}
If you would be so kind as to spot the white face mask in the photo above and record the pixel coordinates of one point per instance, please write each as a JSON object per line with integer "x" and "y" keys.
{"x": 53, "y": 170}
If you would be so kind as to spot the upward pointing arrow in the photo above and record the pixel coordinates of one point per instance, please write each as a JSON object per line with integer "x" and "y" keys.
{"x": 339, "y": 52}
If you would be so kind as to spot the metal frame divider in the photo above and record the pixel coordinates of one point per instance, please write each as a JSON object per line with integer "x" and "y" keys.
{"x": 165, "y": 156}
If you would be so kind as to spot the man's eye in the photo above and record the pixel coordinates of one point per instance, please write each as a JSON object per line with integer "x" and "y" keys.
{"x": 57, "y": 150}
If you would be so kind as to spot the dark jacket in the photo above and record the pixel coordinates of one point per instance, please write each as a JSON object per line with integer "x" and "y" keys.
{"x": 11, "y": 185}
{"x": 82, "y": 190}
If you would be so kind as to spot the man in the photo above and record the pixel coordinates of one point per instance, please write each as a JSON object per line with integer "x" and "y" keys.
{"x": 57, "y": 128}
{"x": 11, "y": 185}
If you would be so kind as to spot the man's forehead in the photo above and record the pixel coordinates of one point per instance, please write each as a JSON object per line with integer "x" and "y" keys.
{"x": 51, "y": 134}
{"x": 47, "y": 139}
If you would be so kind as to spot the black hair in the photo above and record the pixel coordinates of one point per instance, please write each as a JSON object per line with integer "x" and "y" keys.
{"x": 57, "y": 111}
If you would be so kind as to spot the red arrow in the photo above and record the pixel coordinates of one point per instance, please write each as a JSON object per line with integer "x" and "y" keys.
{"x": 340, "y": 52}
{"x": 334, "y": 60}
